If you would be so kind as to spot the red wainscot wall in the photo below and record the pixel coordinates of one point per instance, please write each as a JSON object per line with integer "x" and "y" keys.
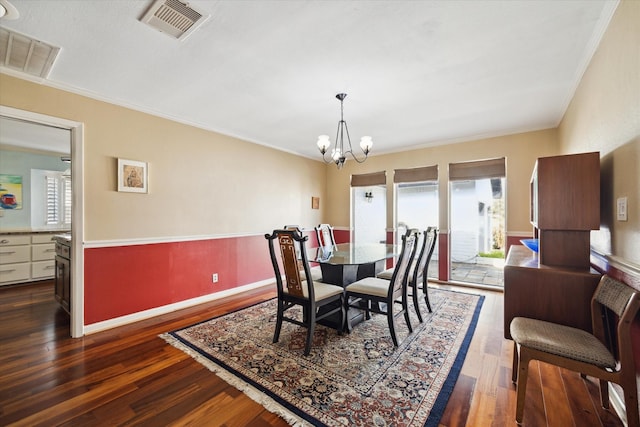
{"x": 122, "y": 280}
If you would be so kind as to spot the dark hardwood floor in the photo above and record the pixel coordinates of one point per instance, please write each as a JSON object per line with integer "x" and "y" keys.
{"x": 129, "y": 376}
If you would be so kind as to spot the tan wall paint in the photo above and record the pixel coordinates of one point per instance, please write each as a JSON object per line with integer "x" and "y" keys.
{"x": 201, "y": 182}
{"x": 520, "y": 150}
{"x": 604, "y": 115}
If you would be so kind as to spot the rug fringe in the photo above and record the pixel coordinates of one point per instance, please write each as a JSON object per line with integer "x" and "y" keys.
{"x": 257, "y": 396}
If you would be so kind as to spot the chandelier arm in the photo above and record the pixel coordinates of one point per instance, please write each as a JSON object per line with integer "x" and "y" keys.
{"x": 351, "y": 148}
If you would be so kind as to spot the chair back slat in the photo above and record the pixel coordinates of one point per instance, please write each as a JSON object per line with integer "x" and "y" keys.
{"x": 290, "y": 264}
{"x": 324, "y": 233}
{"x": 400, "y": 273}
{"x": 426, "y": 251}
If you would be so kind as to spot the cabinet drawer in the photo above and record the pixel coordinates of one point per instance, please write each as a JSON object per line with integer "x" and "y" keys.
{"x": 42, "y": 269}
{"x": 42, "y": 238}
{"x": 12, "y": 254}
{"x": 63, "y": 250}
{"x": 14, "y": 272}
{"x": 14, "y": 240}
{"x": 43, "y": 252}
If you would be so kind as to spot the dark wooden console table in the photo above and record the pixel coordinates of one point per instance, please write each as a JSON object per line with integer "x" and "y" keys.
{"x": 555, "y": 294}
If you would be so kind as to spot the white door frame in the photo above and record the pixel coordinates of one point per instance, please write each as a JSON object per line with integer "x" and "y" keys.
{"x": 77, "y": 216}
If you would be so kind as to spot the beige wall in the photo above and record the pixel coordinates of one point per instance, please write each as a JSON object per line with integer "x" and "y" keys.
{"x": 604, "y": 115}
{"x": 201, "y": 182}
{"x": 520, "y": 150}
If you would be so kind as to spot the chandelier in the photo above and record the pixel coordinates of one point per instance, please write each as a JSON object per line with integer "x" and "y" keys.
{"x": 339, "y": 154}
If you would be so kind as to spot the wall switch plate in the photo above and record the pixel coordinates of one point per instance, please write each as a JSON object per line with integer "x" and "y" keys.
{"x": 621, "y": 209}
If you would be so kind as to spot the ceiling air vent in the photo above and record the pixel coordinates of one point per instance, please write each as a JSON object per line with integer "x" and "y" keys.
{"x": 174, "y": 18}
{"x": 26, "y": 54}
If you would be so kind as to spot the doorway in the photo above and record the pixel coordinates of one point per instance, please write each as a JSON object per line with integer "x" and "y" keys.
{"x": 478, "y": 231}
{"x": 76, "y": 144}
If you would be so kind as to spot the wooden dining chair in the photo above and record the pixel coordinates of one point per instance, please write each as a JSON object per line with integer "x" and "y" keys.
{"x": 324, "y": 233}
{"x": 418, "y": 271}
{"x": 606, "y": 354}
{"x": 316, "y": 272}
{"x": 298, "y": 288}
{"x": 380, "y": 295}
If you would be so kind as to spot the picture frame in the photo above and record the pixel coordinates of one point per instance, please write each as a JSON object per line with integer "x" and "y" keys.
{"x": 132, "y": 176}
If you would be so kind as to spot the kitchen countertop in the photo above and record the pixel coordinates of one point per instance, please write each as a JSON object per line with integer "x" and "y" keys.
{"x": 64, "y": 238}
{"x": 30, "y": 231}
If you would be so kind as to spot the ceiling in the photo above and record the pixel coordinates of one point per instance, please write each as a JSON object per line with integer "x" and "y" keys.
{"x": 417, "y": 73}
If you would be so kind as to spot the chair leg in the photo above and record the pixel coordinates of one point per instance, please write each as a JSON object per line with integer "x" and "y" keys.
{"x": 280, "y": 315}
{"x": 310, "y": 329}
{"x": 416, "y": 305}
{"x": 523, "y": 372}
{"x": 343, "y": 317}
{"x": 604, "y": 393}
{"x": 392, "y": 326}
{"x": 426, "y": 297}
{"x": 631, "y": 402}
{"x": 514, "y": 366}
{"x": 405, "y": 308}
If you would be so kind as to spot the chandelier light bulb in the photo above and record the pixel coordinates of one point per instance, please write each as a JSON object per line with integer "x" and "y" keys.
{"x": 323, "y": 143}
{"x": 336, "y": 154}
{"x": 366, "y": 143}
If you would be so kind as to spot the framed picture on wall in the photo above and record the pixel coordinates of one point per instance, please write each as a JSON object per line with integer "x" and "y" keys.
{"x": 132, "y": 176}
{"x": 10, "y": 191}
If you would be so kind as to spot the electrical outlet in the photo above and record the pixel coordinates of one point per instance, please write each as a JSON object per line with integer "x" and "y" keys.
{"x": 214, "y": 277}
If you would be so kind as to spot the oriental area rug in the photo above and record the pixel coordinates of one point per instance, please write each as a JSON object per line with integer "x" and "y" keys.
{"x": 355, "y": 379}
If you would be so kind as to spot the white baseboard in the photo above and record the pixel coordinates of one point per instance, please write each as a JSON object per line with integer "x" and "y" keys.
{"x": 146, "y": 314}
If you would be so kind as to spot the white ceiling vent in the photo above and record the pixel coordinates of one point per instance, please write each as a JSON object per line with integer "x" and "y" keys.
{"x": 174, "y": 18}
{"x": 26, "y": 54}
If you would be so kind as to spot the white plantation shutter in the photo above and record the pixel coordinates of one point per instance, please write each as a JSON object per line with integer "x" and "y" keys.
{"x": 52, "y": 195}
{"x": 67, "y": 200}
{"x": 58, "y": 199}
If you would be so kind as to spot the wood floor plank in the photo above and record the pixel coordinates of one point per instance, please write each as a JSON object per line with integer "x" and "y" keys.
{"x": 130, "y": 376}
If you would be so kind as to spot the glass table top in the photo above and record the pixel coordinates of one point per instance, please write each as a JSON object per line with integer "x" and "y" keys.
{"x": 354, "y": 253}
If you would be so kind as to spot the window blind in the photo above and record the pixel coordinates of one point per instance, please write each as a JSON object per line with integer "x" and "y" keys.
{"x": 428, "y": 173}
{"x": 369, "y": 179}
{"x": 493, "y": 168}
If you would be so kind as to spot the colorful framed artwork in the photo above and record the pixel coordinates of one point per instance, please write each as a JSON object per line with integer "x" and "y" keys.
{"x": 132, "y": 176}
{"x": 10, "y": 191}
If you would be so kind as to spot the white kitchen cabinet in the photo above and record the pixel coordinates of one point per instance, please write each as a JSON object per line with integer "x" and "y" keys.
{"x": 26, "y": 257}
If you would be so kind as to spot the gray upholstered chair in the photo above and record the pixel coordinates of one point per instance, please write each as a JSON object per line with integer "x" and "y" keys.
{"x": 614, "y": 306}
{"x": 380, "y": 295}
{"x": 299, "y": 288}
{"x": 418, "y": 272}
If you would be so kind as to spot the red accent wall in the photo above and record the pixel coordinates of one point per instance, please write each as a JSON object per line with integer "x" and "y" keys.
{"x": 342, "y": 236}
{"x": 127, "y": 279}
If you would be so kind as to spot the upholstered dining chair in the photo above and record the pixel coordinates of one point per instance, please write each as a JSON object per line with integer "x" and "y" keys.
{"x": 324, "y": 233}
{"x": 374, "y": 291}
{"x": 418, "y": 271}
{"x": 606, "y": 354}
{"x": 299, "y": 288}
{"x": 316, "y": 272}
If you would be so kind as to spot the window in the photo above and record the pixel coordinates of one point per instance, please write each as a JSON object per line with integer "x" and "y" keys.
{"x": 57, "y": 198}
